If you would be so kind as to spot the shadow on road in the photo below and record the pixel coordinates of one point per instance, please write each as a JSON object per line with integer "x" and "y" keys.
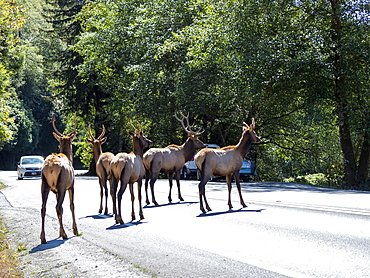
{"x": 54, "y": 243}
{"x": 125, "y": 225}
{"x": 229, "y": 211}
{"x": 170, "y": 204}
{"x": 97, "y": 216}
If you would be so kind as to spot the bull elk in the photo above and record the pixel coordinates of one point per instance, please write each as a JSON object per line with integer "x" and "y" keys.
{"x": 171, "y": 159}
{"x": 128, "y": 168}
{"x": 57, "y": 175}
{"x": 226, "y": 161}
{"x": 102, "y": 161}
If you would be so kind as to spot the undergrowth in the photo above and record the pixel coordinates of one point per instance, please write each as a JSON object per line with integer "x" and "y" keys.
{"x": 8, "y": 257}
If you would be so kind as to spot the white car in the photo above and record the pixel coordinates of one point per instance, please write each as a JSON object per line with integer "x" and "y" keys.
{"x": 29, "y": 166}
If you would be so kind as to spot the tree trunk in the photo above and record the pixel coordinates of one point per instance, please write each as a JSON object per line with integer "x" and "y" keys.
{"x": 363, "y": 165}
{"x": 341, "y": 98}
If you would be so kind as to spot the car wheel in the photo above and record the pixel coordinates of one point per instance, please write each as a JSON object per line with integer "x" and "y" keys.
{"x": 20, "y": 177}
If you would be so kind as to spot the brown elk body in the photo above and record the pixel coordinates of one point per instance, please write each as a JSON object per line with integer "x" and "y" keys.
{"x": 128, "y": 168}
{"x": 57, "y": 175}
{"x": 226, "y": 161}
{"x": 170, "y": 159}
{"x": 102, "y": 161}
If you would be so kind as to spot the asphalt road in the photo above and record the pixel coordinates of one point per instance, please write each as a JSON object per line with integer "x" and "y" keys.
{"x": 287, "y": 230}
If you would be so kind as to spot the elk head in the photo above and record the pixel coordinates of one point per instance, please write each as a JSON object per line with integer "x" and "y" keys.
{"x": 65, "y": 141}
{"x": 138, "y": 137}
{"x": 249, "y": 129}
{"x": 97, "y": 142}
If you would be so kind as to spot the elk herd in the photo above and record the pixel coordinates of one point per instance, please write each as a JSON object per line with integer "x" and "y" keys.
{"x": 124, "y": 169}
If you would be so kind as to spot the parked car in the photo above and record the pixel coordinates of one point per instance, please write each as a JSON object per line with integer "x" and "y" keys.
{"x": 190, "y": 169}
{"x": 29, "y": 166}
{"x": 249, "y": 167}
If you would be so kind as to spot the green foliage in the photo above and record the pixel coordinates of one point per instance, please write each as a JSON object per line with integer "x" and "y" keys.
{"x": 300, "y": 68}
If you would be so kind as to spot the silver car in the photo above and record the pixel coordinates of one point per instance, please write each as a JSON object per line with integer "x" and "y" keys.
{"x": 190, "y": 169}
{"x": 29, "y": 166}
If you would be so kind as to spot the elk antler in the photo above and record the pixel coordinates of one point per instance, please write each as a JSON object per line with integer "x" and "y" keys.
{"x": 74, "y": 129}
{"x": 55, "y": 129}
{"x": 100, "y": 136}
{"x": 102, "y": 133}
{"x": 251, "y": 127}
{"x": 140, "y": 126}
{"x": 89, "y": 131}
{"x": 188, "y": 128}
{"x": 60, "y": 134}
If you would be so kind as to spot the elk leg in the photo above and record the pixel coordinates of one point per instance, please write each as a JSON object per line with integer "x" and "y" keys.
{"x": 237, "y": 181}
{"x": 113, "y": 190}
{"x": 44, "y": 195}
{"x": 170, "y": 176}
{"x": 59, "y": 208}
{"x": 131, "y": 185}
{"x": 147, "y": 176}
{"x": 72, "y": 207}
{"x": 177, "y": 176}
{"x": 139, "y": 185}
{"x": 119, "y": 197}
{"x": 101, "y": 194}
{"x": 106, "y": 196}
{"x": 202, "y": 196}
{"x": 228, "y": 181}
{"x": 152, "y": 181}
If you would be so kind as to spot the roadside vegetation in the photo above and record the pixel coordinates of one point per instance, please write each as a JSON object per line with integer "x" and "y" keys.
{"x": 8, "y": 256}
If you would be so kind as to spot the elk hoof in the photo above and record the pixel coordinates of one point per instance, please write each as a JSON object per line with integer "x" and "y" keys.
{"x": 100, "y": 211}
{"x": 43, "y": 241}
{"x": 155, "y": 203}
{"x": 244, "y": 205}
{"x": 181, "y": 199}
{"x": 141, "y": 217}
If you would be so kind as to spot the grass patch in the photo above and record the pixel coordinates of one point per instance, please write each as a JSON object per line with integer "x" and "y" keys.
{"x": 8, "y": 258}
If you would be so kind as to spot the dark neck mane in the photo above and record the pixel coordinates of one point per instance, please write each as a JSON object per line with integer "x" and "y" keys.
{"x": 188, "y": 149}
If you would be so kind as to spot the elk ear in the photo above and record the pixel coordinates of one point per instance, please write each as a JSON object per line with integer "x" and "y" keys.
{"x": 252, "y": 125}
{"x": 103, "y": 140}
{"x": 72, "y": 136}
{"x": 89, "y": 140}
{"x": 56, "y": 136}
{"x": 131, "y": 133}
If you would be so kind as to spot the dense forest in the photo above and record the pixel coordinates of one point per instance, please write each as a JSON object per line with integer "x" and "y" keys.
{"x": 300, "y": 68}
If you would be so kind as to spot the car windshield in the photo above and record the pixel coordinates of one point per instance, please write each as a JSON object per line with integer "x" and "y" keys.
{"x": 32, "y": 160}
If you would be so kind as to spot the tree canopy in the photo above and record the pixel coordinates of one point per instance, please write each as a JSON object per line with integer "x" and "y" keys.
{"x": 300, "y": 68}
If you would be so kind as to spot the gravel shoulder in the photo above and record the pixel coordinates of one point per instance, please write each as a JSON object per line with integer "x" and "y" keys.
{"x": 74, "y": 257}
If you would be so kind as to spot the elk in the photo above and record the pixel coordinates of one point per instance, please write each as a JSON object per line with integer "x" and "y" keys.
{"x": 226, "y": 161}
{"x": 57, "y": 175}
{"x": 171, "y": 159}
{"x": 102, "y": 161}
{"x": 128, "y": 168}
